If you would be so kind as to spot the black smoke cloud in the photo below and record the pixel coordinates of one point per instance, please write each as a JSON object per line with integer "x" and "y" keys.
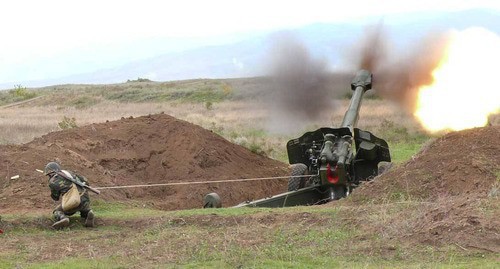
{"x": 300, "y": 89}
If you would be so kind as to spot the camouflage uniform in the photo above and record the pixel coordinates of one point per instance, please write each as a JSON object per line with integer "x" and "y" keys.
{"x": 59, "y": 185}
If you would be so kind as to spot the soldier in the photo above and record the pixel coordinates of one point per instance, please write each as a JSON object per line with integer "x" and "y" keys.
{"x": 59, "y": 185}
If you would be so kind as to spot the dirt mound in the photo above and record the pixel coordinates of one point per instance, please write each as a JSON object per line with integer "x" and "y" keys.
{"x": 461, "y": 164}
{"x": 450, "y": 190}
{"x": 144, "y": 150}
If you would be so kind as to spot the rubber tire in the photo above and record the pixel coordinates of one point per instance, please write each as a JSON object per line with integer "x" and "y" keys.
{"x": 212, "y": 200}
{"x": 339, "y": 192}
{"x": 384, "y": 167}
{"x": 296, "y": 183}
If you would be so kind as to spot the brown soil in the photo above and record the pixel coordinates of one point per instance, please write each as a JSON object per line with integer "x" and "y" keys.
{"x": 144, "y": 150}
{"x": 451, "y": 188}
{"x": 461, "y": 164}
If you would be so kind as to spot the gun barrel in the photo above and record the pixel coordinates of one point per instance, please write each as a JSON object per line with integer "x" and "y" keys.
{"x": 361, "y": 83}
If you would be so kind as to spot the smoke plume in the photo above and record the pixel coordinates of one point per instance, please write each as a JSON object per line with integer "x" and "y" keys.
{"x": 300, "y": 91}
{"x": 398, "y": 72}
{"x": 303, "y": 90}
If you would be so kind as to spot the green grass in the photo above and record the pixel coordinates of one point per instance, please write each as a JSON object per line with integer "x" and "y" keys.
{"x": 110, "y": 262}
{"x": 310, "y": 261}
{"x": 403, "y": 144}
{"x": 117, "y": 210}
{"x": 135, "y": 91}
{"x": 313, "y": 261}
{"x": 296, "y": 237}
{"x": 196, "y": 92}
{"x": 403, "y": 151}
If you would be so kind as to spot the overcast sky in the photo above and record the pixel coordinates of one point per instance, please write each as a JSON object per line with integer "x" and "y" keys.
{"x": 34, "y": 31}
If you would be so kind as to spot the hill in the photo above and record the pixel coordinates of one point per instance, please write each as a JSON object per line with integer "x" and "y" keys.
{"x": 448, "y": 193}
{"x": 145, "y": 150}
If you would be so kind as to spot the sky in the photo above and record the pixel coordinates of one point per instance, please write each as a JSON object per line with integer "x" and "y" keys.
{"x": 37, "y": 36}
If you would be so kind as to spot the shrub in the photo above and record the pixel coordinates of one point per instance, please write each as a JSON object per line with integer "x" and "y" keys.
{"x": 227, "y": 89}
{"x": 255, "y": 145}
{"x": 257, "y": 148}
{"x": 217, "y": 129}
{"x": 84, "y": 102}
{"x": 21, "y": 93}
{"x": 393, "y": 132}
{"x": 208, "y": 105}
{"x": 67, "y": 123}
{"x": 139, "y": 80}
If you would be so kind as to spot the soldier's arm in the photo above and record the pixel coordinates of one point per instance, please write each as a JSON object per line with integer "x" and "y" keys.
{"x": 54, "y": 194}
{"x": 55, "y": 191}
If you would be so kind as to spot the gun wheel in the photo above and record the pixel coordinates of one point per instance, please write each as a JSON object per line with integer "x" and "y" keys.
{"x": 383, "y": 167}
{"x": 212, "y": 200}
{"x": 295, "y": 183}
{"x": 338, "y": 192}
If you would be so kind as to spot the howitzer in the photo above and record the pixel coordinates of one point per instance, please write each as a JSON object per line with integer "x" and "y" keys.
{"x": 68, "y": 176}
{"x": 329, "y": 162}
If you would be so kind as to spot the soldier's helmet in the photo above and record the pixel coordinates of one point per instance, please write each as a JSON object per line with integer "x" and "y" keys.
{"x": 51, "y": 168}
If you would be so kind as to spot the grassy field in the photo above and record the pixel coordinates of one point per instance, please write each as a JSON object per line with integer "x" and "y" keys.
{"x": 300, "y": 237}
{"x": 131, "y": 236}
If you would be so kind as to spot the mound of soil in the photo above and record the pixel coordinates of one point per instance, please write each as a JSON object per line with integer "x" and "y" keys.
{"x": 464, "y": 164}
{"x": 454, "y": 184}
{"x": 145, "y": 150}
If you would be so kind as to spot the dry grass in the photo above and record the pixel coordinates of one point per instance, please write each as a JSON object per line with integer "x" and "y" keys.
{"x": 21, "y": 124}
{"x": 244, "y": 122}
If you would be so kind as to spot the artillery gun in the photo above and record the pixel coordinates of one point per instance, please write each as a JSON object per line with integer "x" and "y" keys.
{"x": 329, "y": 162}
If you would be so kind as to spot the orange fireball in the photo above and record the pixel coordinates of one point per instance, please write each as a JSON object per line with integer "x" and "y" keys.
{"x": 466, "y": 86}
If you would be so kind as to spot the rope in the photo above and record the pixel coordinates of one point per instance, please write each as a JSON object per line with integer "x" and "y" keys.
{"x": 196, "y": 182}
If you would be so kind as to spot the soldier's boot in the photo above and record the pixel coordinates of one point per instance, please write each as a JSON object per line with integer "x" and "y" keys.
{"x": 61, "y": 219}
{"x": 63, "y": 222}
{"x": 89, "y": 220}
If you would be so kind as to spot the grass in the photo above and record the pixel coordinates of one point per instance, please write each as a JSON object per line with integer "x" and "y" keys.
{"x": 403, "y": 151}
{"x": 495, "y": 189}
{"x": 122, "y": 211}
{"x": 222, "y": 106}
{"x": 111, "y": 262}
{"x": 19, "y": 93}
{"x": 403, "y": 143}
{"x": 212, "y": 91}
{"x": 302, "y": 262}
{"x": 84, "y": 102}
{"x": 299, "y": 237}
